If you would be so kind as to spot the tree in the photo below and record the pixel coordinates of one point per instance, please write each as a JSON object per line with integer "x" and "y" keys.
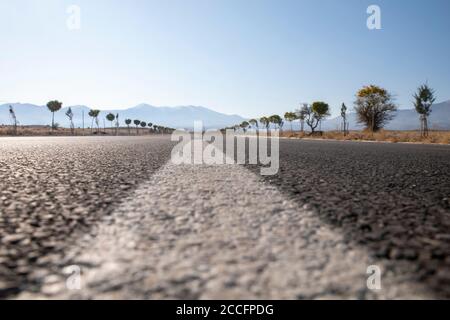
{"x": 290, "y": 116}
{"x": 128, "y": 122}
{"x": 143, "y": 124}
{"x": 137, "y": 123}
{"x": 277, "y": 121}
{"x": 374, "y": 107}
{"x": 301, "y": 115}
{"x": 14, "y": 121}
{"x": 97, "y": 113}
{"x": 266, "y": 123}
{"x": 315, "y": 113}
{"x": 54, "y": 106}
{"x": 423, "y": 101}
{"x": 110, "y": 117}
{"x": 254, "y": 123}
{"x": 94, "y": 115}
{"x": 244, "y": 126}
{"x": 69, "y": 115}
{"x": 344, "y": 118}
{"x": 117, "y": 124}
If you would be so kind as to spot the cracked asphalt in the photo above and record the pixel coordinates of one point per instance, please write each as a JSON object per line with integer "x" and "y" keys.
{"x": 142, "y": 228}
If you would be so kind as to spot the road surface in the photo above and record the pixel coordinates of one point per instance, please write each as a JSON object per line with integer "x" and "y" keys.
{"x": 141, "y": 227}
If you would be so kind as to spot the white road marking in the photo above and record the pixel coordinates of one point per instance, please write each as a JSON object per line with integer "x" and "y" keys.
{"x": 219, "y": 232}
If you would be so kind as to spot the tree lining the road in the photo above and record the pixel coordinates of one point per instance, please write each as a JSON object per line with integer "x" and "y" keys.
{"x": 423, "y": 101}
{"x": 374, "y": 107}
{"x": 69, "y": 115}
{"x": 54, "y": 106}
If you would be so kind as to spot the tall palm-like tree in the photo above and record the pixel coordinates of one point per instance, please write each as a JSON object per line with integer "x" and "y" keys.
{"x": 137, "y": 123}
{"x": 54, "y": 106}
{"x": 111, "y": 117}
{"x": 244, "y": 126}
{"x": 92, "y": 113}
{"x": 143, "y": 125}
{"x": 150, "y": 125}
{"x": 289, "y": 117}
{"x": 128, "y": 122}
{"x": 277, "y": 121}
{"x": 117, "y": 124}
{"x": 254, "y": 123}
{"x": 265, "y": 121}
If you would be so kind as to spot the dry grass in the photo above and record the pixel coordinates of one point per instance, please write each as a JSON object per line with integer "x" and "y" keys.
{"x": 442, "y": 137}
{"x": 46, "y": 131}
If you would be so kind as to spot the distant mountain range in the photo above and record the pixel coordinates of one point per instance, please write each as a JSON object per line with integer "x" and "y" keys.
{"x": 174, "y": 117}
{"x": 184, "y": 117}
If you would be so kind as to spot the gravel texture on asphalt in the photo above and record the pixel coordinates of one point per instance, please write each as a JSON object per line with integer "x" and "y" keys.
{"x": 140, "y": 228}
{"x": 52, "y": 190}
{"x": 218, "y": 232}
{"x": 391, "y": 199}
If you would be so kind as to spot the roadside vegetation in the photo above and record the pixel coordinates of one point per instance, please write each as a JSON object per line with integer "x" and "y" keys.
{"x": 374, "y": 107}
{"x": 142, "y": 127}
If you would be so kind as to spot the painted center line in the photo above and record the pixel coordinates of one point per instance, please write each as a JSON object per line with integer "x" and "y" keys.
{"x": 218, "y": 232}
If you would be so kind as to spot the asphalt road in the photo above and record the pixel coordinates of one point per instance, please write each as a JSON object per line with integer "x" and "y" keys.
{"x": 141, "y": 227}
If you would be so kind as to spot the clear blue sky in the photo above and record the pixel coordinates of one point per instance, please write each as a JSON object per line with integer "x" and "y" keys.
{"x": 250, "y": 57}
